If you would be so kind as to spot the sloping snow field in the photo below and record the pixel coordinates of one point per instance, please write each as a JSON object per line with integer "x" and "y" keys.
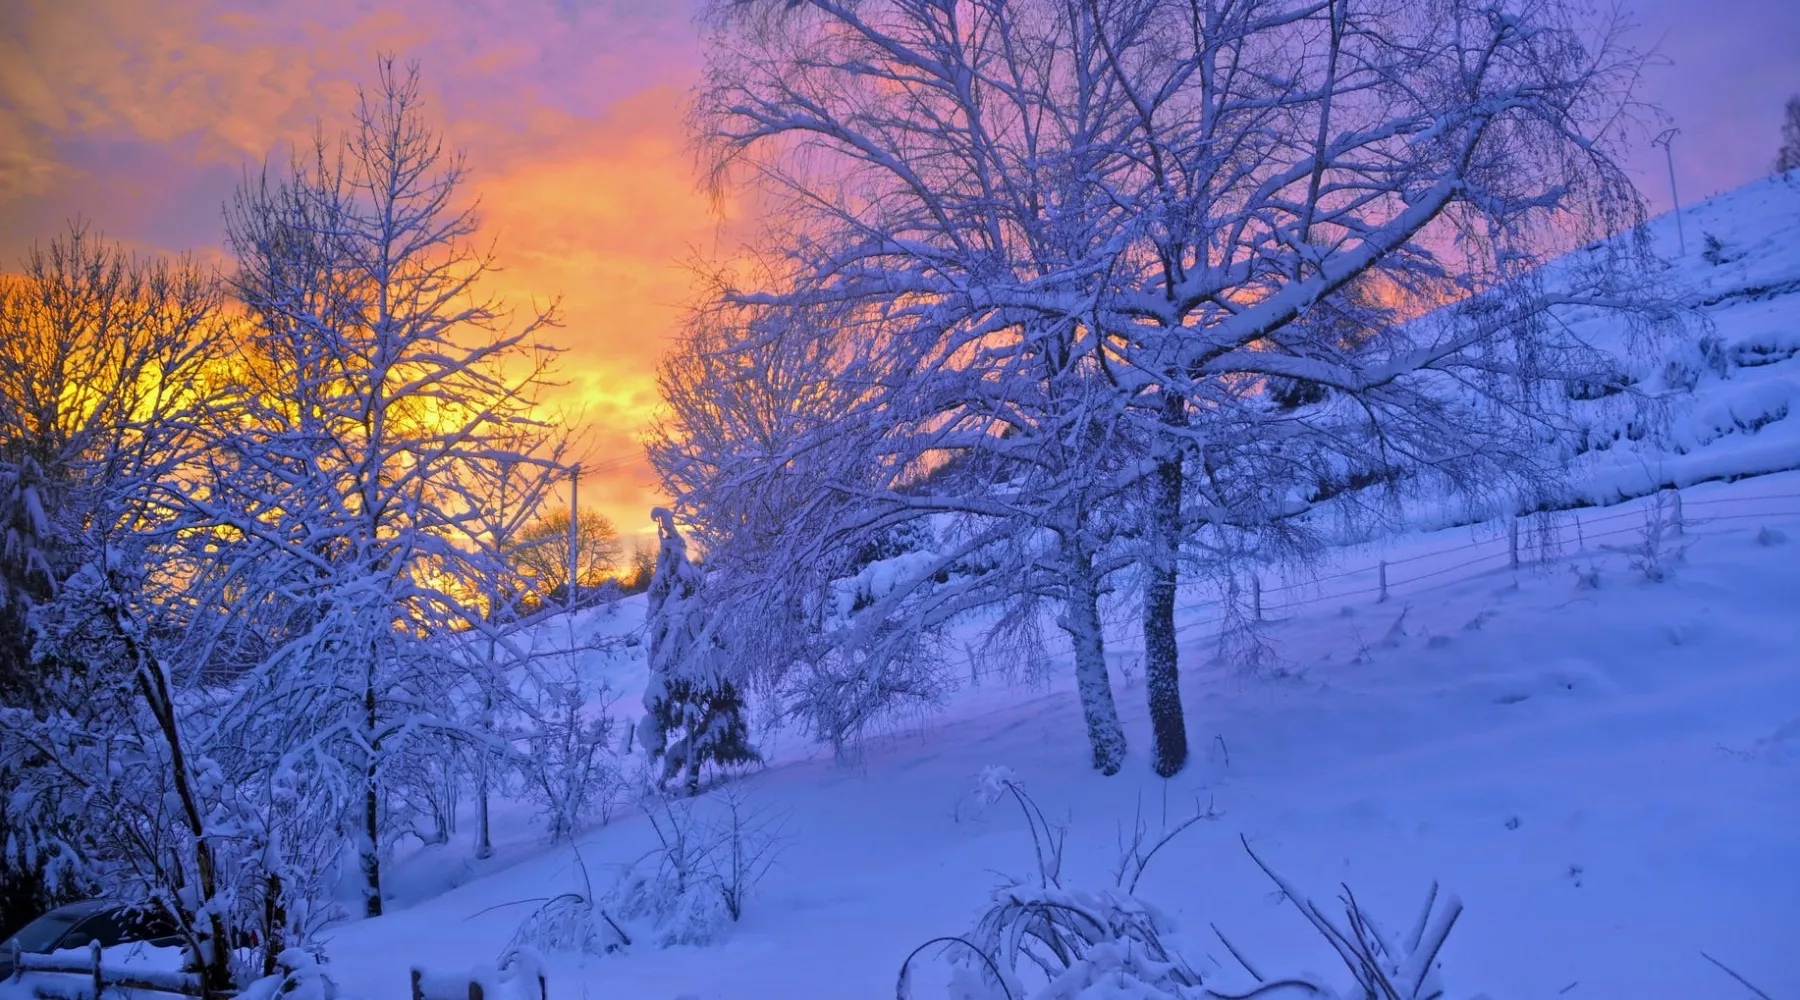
{"x": 1605, "y": 768}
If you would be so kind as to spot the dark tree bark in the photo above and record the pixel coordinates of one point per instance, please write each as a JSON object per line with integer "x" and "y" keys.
{"x": 371, "y": 848}
{"x": 1162, "y": 670}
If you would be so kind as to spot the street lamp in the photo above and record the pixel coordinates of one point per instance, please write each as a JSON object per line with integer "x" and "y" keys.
{"x": 1666, "y": 141}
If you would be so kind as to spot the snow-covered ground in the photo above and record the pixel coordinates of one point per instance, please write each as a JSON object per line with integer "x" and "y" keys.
{"x": 1736, "y": 260}
{"x": 1605, "y": 768}
{"x": 1609, "y": 777}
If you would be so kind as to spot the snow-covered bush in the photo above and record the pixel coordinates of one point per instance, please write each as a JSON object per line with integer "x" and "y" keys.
{"x": 423, "y": 790}
{"x": 845, "y": 688}
{"x": 1041, "y": 940}
{"x": 1695, "y": 359}
{"x": 571, "y": 768}
{"x": 1714, "y": 251}
{"x": 1659, "y": 545}
{"x": 1067, "y": 940}
{"x": 519, "y": 975}
{"x": 709, "y": 857}
{"x": 298, "y": 975}
{"x": 570, "y": 922}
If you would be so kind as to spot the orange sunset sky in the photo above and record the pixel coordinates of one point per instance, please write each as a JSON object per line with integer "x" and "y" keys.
{"x": 140, "y": 116}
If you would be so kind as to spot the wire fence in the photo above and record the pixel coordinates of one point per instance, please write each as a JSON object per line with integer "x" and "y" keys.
{"x": 1530, "y": 542}
{"x": 1527, "y": 541}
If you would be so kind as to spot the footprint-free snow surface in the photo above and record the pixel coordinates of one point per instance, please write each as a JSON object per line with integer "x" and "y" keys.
{"x": 1609, "y": 778}
{"x": 1604, "y": 767}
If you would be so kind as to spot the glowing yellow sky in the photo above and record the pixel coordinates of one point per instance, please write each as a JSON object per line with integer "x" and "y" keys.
{"x": 140, "y": 116}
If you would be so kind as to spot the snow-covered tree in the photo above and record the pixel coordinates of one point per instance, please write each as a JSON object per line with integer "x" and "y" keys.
{"x": 542, "y": 553}
{"x": 107, "y": 775}
{"x": 103, "y": 359}
{"x": 571, "y": 741}
{"x": 693, "y": 704}
{"x": 267, "y": 557}
{"x": 380, "y": 386}
{"x": 110, "y": 757}
{"x": 1788, "y": 156}
{"x": 1224, "y": 210}
{"x": 98, "y": 349}
{"x": 151, "y": 768}
{"x": 508, "y": 491}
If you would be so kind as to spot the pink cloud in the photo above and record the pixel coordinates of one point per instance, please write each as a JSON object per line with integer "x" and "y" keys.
{"x": 141, "y": 117}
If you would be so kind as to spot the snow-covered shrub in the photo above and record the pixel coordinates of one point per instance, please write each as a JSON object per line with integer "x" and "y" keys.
{"x": 1766, "y": 348}
{"x": 750, "y": 842}
{"x": 846, "y": 688}
{"x": 1584, "y": 389}
{"x": 299, "y": 976}
{"x": 1047, "y": 941}
{"x": 1069, "y": 941}
{"x": 571, "y": 771}
{"x": 572, "y": 923}
{"x": 519, "y": 975}
{"x": 1244, "y": 641}
{"x": 875, "y": 645}
{"x": 423, "y": 789}
{"x": 709, "y": 857}
{"x": 1705, "y": 355}
{"x": 667, "y": 894}
{"x": 1659, "y": 545}
{"x": 1714, "y": 252}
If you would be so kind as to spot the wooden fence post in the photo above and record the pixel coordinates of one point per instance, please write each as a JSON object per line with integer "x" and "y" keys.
{"x": 1512, "y": 541}
{"x": 99, "y": 980}
{"x": 1383, "y": 598}
{"x": 1256, "y": 595}
{"x": 1675, "y": 511}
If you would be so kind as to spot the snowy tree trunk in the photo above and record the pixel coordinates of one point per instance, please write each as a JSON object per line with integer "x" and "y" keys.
{"x": 1082, "y": 622}
{"x": 153, "y": 684}
{"x": 484, "y": 845}
{"x": 274, "y": 925}
{"x": 944, "y": 260}
{"x": 371, "y": 833}
{"x": 1161, "y": 654}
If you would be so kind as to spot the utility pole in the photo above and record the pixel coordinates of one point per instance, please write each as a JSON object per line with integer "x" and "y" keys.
{"x": 1666, "y": 140}
{"x": 574, "y": 524}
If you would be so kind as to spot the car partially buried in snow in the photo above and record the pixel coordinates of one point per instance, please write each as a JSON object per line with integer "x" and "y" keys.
{"x": 80, "y": 925}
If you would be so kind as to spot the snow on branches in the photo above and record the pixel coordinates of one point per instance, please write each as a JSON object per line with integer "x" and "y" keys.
{"x": 693, "y": 704}
{"x": 1133, "y": 290}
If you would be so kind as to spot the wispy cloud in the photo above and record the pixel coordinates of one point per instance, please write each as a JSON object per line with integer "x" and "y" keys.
{"x": 141, "y": 117}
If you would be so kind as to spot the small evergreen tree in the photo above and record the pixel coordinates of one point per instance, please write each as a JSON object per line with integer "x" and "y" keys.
{"x": 694, "y": 711}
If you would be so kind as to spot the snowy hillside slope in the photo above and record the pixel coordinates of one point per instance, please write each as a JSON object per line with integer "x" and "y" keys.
{"x": 1609, "y": 777}
{"x": 1604, "y": 767}
{"x": 1730, "y": 389}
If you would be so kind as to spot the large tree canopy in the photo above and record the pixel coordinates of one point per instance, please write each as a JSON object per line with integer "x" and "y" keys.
{"x": 1120, "y": 284}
